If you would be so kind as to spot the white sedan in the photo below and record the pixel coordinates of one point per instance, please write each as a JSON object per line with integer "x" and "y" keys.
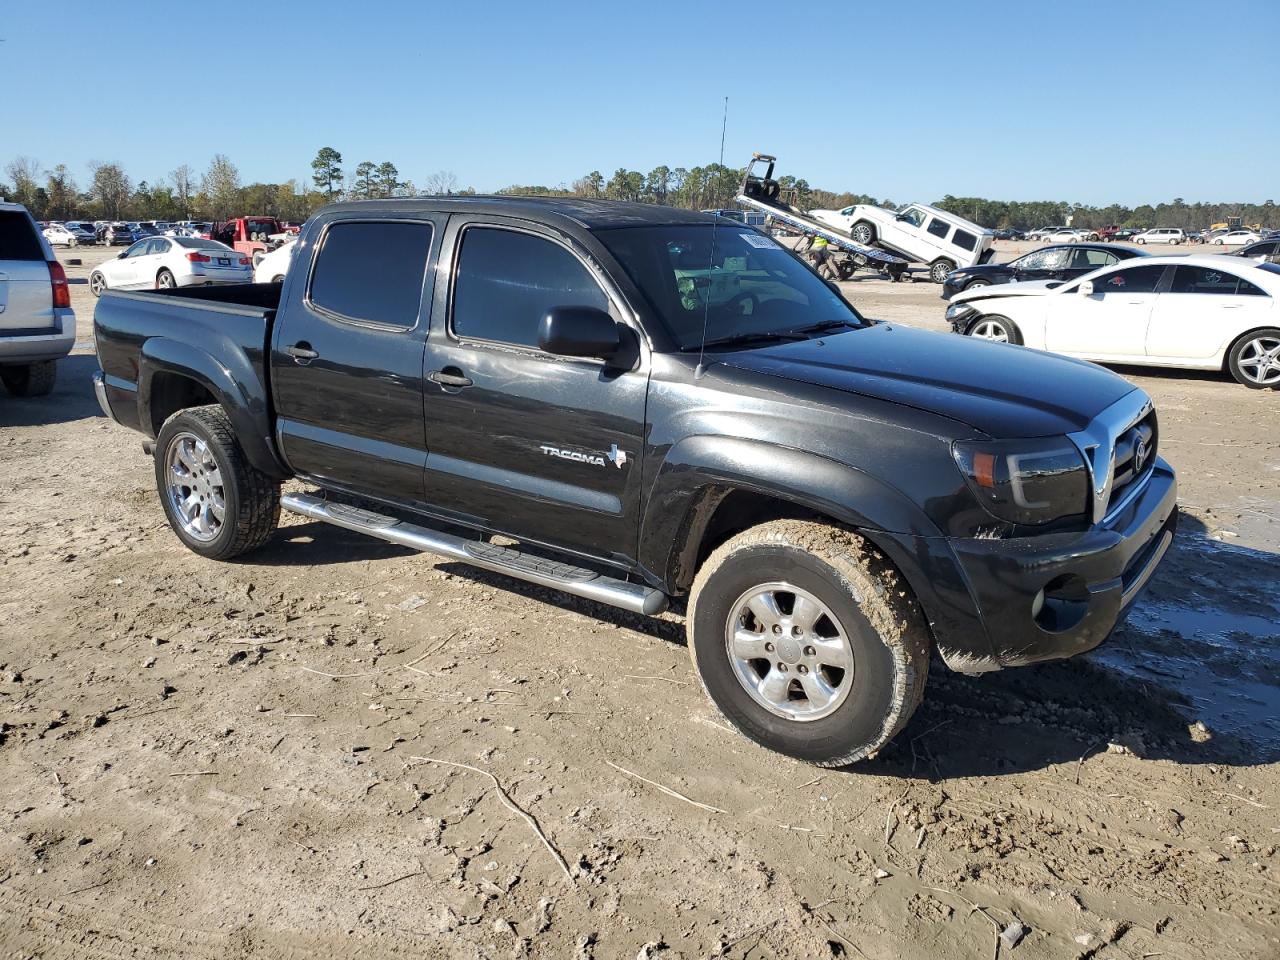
{"x": 1066, "y": 235}
{"x": 1202, "y": 312}
{"x": 272, "y": 267}
{"x": 1236, "y": 238}
{"x": 164, "y": 262}
{"x": 66, "y": 235}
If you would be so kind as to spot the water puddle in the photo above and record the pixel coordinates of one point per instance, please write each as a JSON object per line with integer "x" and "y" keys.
{"x": 1224, "y": 661}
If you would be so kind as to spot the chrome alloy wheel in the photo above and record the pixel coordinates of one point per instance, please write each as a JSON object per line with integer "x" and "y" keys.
{"x": 1260, "y": 360}
{"x": 195, "y": 488}
{"x": 789, "y": 652}
{"x": 991, "y": 330}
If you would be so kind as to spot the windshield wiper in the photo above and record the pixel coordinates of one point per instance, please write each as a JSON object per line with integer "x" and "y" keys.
{"x": 761, "y": 337}
{"x": 827, "y": 325}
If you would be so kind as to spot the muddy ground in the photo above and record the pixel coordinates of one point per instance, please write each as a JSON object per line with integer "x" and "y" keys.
{"x": 229, "y": 760}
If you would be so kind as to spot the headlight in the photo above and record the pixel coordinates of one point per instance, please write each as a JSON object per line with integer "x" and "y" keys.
{"x": 1026, "y": 481}
{"x": 957, "y": 310}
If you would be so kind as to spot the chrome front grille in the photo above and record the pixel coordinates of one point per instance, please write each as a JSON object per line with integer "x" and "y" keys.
{"x": 1119, "y": 447}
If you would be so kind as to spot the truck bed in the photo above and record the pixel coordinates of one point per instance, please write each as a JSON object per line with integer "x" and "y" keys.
{"x": 217, "y": 336}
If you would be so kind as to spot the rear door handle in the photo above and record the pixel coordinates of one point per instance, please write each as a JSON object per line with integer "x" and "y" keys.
{"x": 301, "y": 351}
{"x": 1232, "y": 306}
{"x": 450, "y": 377}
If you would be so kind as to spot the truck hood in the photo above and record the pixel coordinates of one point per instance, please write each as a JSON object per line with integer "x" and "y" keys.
{"x": 1002, "y": 390}
{"x": 1014, "y": 288}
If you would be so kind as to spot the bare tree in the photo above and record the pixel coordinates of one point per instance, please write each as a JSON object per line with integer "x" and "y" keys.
{"x": 441, "y": 182}
{"x": 25, "y": 174}
{"x": 184, "y": 185}
{"x": 221, "y": 186}
{"x": 110, "y": 187}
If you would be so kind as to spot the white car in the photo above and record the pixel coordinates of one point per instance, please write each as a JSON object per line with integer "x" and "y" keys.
{"x": 164, "y": 262}
{"x": 67, "y": 235}
{"x": 1199, "y": 312}
{"x": 919, "y": 232}
{"x": 1066, "y": 235}
{"x": 272, "y": 267}
{"x": 1236, "y": 238}
{"x": 1173, "y": 235}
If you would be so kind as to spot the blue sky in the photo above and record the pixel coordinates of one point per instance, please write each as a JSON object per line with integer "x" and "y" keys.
{"x": 1124, "y": 101}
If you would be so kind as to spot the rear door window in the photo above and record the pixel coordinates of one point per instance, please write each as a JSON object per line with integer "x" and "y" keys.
{"x": 939, "y": 228}
{"x": 371, "y": 271}
{"x": 506, "y": 282}
{"x": 1187, "y": 279}
{"x": 964, "y": 239}
{"x": 1084, "y": 259}
{"x": 18, "y": 239}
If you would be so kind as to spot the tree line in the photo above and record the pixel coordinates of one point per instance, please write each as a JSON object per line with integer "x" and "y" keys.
{"x": 214, "y": 194}
{"x": 218, "y": 193}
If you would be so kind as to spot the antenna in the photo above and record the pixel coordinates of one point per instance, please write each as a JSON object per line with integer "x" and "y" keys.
{"x": 715, "y": 225}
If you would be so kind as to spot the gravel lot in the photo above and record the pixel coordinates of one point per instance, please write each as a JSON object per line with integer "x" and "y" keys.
{"x": 225, "y": 761}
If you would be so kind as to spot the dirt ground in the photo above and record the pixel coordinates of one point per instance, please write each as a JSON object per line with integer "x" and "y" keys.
{"x": 231, "y": 760}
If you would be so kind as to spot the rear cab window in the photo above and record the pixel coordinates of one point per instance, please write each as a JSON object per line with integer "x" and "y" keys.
{"x": 371, "y": 271}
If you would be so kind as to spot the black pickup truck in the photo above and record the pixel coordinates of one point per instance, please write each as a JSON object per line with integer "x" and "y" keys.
{"x": 654, "y": 404}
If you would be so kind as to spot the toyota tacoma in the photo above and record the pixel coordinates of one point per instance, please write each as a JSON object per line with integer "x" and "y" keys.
{"x": 639, "y": 405}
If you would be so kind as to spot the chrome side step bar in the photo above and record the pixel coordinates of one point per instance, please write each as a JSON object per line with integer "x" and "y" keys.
{"x": 578, "y": 581}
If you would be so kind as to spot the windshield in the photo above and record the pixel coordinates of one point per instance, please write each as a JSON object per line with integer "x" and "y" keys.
{"x": 752, "y": 285}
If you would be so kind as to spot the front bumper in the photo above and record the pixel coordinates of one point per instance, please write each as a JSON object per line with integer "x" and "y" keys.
{"x": 1006, "y": 603}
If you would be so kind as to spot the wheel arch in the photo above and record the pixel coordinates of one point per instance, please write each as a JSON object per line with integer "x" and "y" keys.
{"x": 709, "y": 488}
{"x": 173, "y": 376}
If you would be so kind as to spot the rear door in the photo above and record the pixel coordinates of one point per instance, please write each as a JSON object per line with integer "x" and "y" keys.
{"x": 1112, "y": 322}
{"x": 1202, "y": 309}
{"x": 346, "y": 360}
{"x": 26, "y": 295}
{"x": 541, "y": 447}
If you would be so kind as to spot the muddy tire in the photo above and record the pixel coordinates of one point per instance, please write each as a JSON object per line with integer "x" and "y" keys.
{"x": 808, "y": 641}
{"x": 30, "y": 379}
{"x": 218, "y": 503}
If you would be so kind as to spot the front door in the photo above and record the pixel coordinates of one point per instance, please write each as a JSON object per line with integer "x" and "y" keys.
{"x": 541, "y": 447}
{"x": 1047, "y": 264}
{"x": 346, "y": 362}
{"x": 1112, "y": 322}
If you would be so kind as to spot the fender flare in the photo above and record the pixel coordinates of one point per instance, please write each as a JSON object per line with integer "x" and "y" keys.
{"x": 240, "y": 392}
{"x": 677, "y": 506}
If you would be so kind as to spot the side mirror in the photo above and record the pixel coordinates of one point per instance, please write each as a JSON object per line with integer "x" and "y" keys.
{"x": 1085, "y": 289}
{"x": 579, "y": 332}
{"x": 121, "y": 254}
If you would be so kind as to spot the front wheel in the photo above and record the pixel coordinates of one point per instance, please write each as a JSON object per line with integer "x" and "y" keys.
{"x": 97, "y": 283}
{"x": 808, "y": 641}
{"x": 863, "y": 233}
{"x": 995, "y": 328}
{"x": 218, "y": 503}
{"x": 1140, "y": 242}
{"x": 939, "y": 269}
{"x": 976, "y": 284}
{"x": 1255, "y": 359}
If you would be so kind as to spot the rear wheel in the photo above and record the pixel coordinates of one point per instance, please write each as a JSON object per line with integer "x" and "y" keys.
{"x": 165, "y": 280}
{"x": 996, "y": 328}
{"x": 863, "y": 233}
{"x": 1254, "y": 359}
{"x": 30, "y": 379}
{"x": 939, "y": 269}
{"x": 808, "y": 641}
{"x": 217, "y": 502}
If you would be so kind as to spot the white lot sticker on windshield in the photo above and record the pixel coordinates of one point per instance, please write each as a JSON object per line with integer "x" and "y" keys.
{"x": 756, "y": 240}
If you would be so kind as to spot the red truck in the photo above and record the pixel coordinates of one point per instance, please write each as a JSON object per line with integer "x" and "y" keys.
{"x": 248, "y": 235}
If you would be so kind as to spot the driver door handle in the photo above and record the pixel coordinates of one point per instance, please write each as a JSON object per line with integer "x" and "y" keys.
{"x": 450, "y": 377}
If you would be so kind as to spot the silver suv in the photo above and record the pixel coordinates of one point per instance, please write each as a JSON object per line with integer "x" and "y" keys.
{"x": 37, "y": 325}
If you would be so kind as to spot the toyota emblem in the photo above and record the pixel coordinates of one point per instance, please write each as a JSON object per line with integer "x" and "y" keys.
{"x": 1140, "y": 454}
